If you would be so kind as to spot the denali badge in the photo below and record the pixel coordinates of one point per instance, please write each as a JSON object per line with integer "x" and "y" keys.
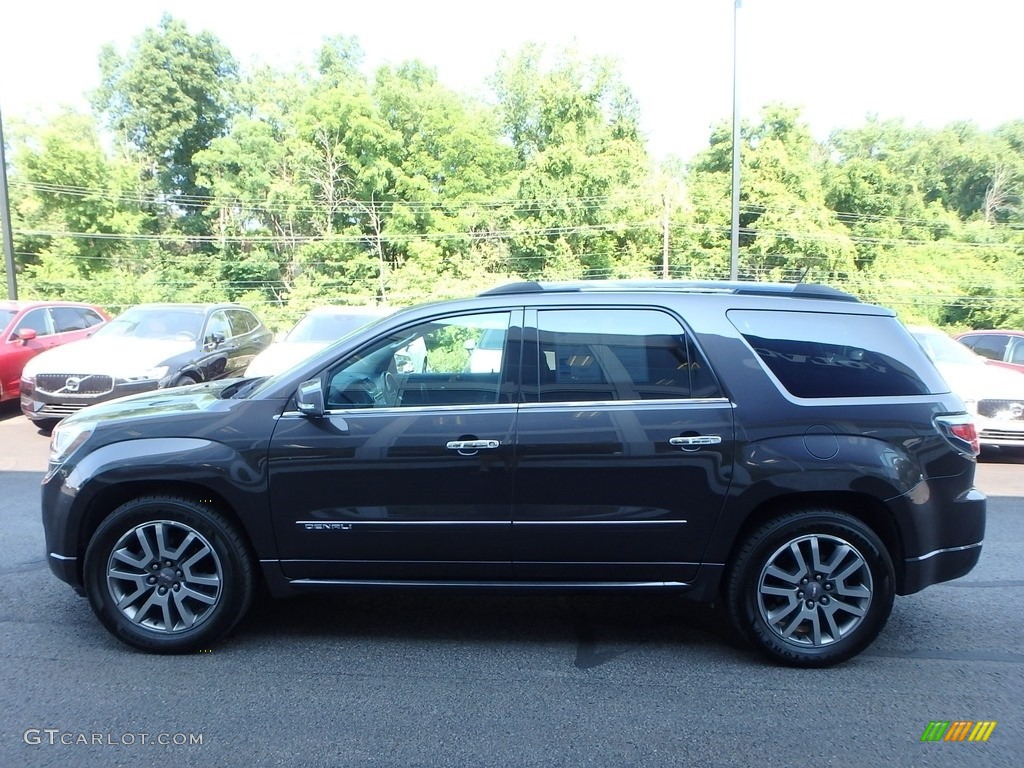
{"x": 324, "y": 526}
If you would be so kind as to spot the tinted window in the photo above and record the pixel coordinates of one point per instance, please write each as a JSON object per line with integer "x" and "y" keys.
{"x": 67, "y": 319}
{"x": 987, "y": 345}
{"x": 595, "y": 355}
{"x": 91, "y": 318}
{"x": 1017, "y": 353}
{"x": 241, "y": 322}
{"x": 428, "y": 364}
{"x": 835, "y": 355}
{"x": 218, "y": 325}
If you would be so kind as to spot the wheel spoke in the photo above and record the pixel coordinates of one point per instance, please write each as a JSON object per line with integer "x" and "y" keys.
{"x": 779, "y": 614}
{"x": 851, "y": 608}
{"x": 147, "y": 548}
{"x": 126, "y": 557}
{"x": 778, "y": 573}
{"x": 186, "y": 614}
{"x": 177, "y": 553}
{"x": 187, "y": 565}
{"x": 199, "y": 596}
{"x": 140, "y": 614}
{"x": 128, "y": 599}
{"x": 794, "y": 548}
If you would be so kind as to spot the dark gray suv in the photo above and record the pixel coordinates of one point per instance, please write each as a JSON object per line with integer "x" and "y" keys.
{"x": 784, "y": 449}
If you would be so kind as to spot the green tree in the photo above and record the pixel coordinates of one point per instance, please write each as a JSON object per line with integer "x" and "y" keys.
{"x": 787, "y": 230}
{"x": 582, "y": 193}
{"x": 168, "y": 98}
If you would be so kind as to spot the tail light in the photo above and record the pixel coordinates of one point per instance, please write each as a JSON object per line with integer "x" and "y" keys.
{"x": 961, "y": 432}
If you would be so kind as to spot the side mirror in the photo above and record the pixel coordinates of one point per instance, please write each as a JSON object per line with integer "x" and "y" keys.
{"x": 26, "y": 334}
{"x": 469, "y": 345}
{"x": 310, "y": 398}
{"x": 216, "y": 339}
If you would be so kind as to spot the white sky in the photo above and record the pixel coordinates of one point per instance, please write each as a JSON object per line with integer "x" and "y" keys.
{"x": 926, "y": 61}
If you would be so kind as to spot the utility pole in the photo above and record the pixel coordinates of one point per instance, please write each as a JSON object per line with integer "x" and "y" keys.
{"x": 5, "y": 220}
{"x": 734, "y": 252}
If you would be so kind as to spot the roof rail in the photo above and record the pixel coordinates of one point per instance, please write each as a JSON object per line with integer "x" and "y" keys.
{"x": 804, "y": 290}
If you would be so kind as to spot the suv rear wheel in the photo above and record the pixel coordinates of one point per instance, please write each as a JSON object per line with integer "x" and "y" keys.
{"x": 168, "y": 574}
{"x": 811, "y": 588}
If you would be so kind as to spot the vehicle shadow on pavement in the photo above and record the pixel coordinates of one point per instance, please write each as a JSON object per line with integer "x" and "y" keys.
{"x": 1002, "y": 456}
{"x": 601, "y": 628}
{"x": 10, "y": 410}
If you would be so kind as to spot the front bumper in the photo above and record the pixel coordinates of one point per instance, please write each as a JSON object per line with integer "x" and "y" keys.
{"x": 60, "y": 529}
{"x": 39, "y": 405}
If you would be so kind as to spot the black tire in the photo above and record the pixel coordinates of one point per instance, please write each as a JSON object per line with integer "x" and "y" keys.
{"x": 182, "y": 380}
{"x": 185, "y": 600}
{"x": 807, "y": 614}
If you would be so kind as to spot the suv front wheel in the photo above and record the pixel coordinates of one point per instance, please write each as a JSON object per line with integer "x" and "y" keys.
{"x": 811, "y": 588}
{"x": 168, "y": 574}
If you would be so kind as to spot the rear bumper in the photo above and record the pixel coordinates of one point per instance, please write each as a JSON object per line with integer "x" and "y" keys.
{"x": 948, "y": 545}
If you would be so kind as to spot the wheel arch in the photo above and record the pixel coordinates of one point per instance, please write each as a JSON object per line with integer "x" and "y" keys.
{"x": 113, "y": 496}
{"x": 869, "y": 510}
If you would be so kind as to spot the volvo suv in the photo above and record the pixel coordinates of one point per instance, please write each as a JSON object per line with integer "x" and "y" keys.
{"x": 785, "y": 451}
{"x": 149, "y": 346}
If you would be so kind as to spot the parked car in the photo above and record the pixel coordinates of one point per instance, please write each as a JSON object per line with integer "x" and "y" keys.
{"x": 312, "y": 333}
{"x": 150, "y": 346}
{"x": 993, "y": 396}
{"x": 31, "y": 327}
{"x": 785, "y": 449}
{"x": 1000, "y": 348}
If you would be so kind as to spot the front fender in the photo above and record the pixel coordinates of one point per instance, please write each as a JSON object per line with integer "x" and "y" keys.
{"x": 77, "y": 498}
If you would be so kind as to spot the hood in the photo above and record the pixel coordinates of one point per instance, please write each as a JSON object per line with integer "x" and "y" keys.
{"x": 175, "y": 400}
{"x": 282, "y": 356}
{"x": 982, "y": 382}
{"x": 120, "y": 357}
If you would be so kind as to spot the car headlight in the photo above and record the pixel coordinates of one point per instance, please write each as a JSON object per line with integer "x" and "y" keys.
{"x": 153, "y": 374}
{"x": 66, "y": 437}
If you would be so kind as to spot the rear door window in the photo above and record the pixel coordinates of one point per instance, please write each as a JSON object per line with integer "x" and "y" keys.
{"x": 609, "y": 354}
{"x": 822, "y": 355}
{"x": 992, "y": 346}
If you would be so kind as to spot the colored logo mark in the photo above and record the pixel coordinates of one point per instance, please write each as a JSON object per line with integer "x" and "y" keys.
{"x": 958, "y": 730}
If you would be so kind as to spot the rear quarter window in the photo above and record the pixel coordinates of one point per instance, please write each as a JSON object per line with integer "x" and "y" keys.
{"x": 827, "y": 355}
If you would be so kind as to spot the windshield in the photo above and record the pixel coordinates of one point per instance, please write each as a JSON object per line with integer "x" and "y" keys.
{"x": 327, "y": 327}
{"x": 6, "y": 315}
{"x": 943, "y": 349}
{"x": 183, "y": 324}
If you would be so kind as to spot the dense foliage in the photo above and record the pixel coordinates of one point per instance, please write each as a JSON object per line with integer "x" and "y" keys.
{"x": 289, "y": 189}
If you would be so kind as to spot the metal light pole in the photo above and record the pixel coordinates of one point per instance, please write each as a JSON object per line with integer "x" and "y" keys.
{"x": 734, "y": 252}
{"x": 5, "y": 220}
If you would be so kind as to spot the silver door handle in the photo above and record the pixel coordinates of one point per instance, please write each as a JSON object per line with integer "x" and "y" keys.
{"x": 471, "y": 445}
{"x": 694, "y": 440}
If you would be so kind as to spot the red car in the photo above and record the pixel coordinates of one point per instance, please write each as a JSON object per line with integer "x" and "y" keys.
{"x": 31, "y": 327}
{"x": 1002, "y": 348}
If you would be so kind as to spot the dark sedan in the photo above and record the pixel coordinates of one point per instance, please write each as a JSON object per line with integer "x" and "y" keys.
{"x": 150, "y": 346}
